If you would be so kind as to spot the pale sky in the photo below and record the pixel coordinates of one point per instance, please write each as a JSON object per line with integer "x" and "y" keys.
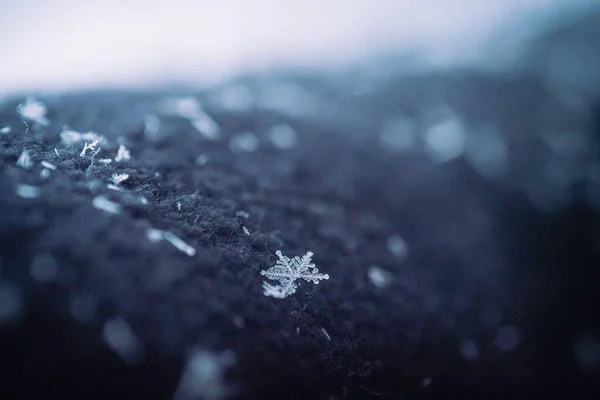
{"x": 72, "y": 44}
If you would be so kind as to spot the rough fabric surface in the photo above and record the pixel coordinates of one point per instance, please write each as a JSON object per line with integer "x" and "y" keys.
{"x": 480, "y": 291}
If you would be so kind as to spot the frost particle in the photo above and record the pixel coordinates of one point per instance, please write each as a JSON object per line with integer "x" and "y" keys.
{"x": 325, "y": 334}
{"x": 379, "y": 277}
{"x": 178, "y": 206}
{"x": 105, "y": 161}
{"x": 244, "y": 142}
{"x": 118, "y": 178}
{"x": 155, "y": 235}
{"x": 243, "y": 214}
{"x": 103, "y": 203}
{"x": 45, "y": 173}
{"x": 6, "y": 129}
{"x": 25, "y": 160}
{"x": 115, "y": 187}
{"x": 73, "y": 137}
{"x": 201, "y": 159}
{"x": 88, "y": 146}
{"x": 206, "y": 126}
{"x": 246, "y": 231}
{"x": 56, "y": 151}
{"x": 28, "y": 191}
{"x": 397, "y": 246}
{"x": 122, "y": 154}
{"x": 48, "y": 165}
{"x": 283, "y": 137}
{"x": 33, "y": 111}
{"x": 119, "y": 336}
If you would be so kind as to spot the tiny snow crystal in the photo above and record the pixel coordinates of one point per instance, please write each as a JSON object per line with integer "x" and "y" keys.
{"x": 33, "y": 111}
{"x": 287, "y": 271}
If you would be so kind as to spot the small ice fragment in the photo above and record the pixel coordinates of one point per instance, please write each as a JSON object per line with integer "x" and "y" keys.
{"x": 154, "y": 235}
{"x": 325, "y": 334}
{"x": 179, "y": 244}
{"x": 72, "y": 137}
{"x": 105, "y": 161}
{"x": 446, "y": 139}
{"x": 6, "y": 129}
{"x": 206, "y": 126}
{"x": 115, "y": 187}
{"x": 45, "y": 173}
{"x": 103, "y": 203}
{"x": 201, "y": 159}
{"x": 283, "y": 136}
{"x": 46, "y": 164}
{"x": 28, "y": 191}
{"x": 243, "y": 214}
{"x": 119, "y": 336}
{"x": 118, "y": 178}
{"x": 122, "y": 154}
{"x": 246, "y": 231}
{"x": 88, "y": 146}
{"x": 397, "y": 246}
{"x": 244, "y": 142}
{"x": 34, "y": 111}
{"x": 25, "y": 160}
{"x": 379, "y": 277}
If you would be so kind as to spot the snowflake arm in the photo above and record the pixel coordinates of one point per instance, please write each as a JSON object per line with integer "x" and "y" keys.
{"x": 287, "y": 271}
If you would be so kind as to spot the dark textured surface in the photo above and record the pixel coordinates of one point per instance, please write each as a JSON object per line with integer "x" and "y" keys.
{"x": 476, "y": 247}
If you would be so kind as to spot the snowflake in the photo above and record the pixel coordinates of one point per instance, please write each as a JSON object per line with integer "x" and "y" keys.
{"x": 287, "y": 271}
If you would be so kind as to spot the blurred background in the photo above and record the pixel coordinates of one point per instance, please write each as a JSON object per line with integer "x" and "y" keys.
{"x": 69, "y": 44}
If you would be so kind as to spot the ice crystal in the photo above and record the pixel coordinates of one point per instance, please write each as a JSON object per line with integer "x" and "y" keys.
{"x": 287, "y": 271}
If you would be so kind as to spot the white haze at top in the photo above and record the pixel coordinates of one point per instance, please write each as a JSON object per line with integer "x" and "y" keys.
{"x": 78, "y": 44}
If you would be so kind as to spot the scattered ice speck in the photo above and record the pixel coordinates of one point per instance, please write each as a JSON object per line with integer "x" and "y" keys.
{"x": 186, "y": 107}
{"x": 45, "y": 173}
{"x": 118, "y": 178}
{"x": 325, "y": 334}
{"x": 44, "y": 268}
{"x": 469, "y": 350}
{"x": 178, "y": 205}
{"x": 115, "y": 187}
{"x": 587, "y": 351}
{"x": 69, "y": 137}
{"x": 243, "y": 214}
{"x": 155, "y": 235}
{"x": 25, "y": 160}
{"x": 179, "y": 244}
{"x": 122, "y": 154}
{"x": 426, "y": 381}
{"x": 102, "y": 203}
{"x": 233, "y": 98}
{"x": 88, "y": 146}
{"x": 28, "y": 191}
{"x": 46, "y": 164}
{"x": 151, "y": 125}
{"x": 206, "y": 126}
{"x": 246, "y": 231}
{"x": 379, "y": 276}
{"x": 238, "y": 321}
{"x": 507, "y": 338}
{"x": 105, "y": 161}
{"x": 487, "y": 152}
{"x": 397, "y": 246}
{"x": 445, "y": 140}
{"x": 83, "y": 307}
{"x": 10, "y": 303}
{"x": 119, "y": 336}
{"x": 56, "y": 151}
{"x": 283, "y": 136}
{"x": 204, "y": 376}
{"x": 33, "y": 110}
{"x": 6, "y": 129}
{"x": 202, "y": 159}
{"x": 244, "y": 142}
{"x": 398, "y": 134}
{"x": 143, "y": 200}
